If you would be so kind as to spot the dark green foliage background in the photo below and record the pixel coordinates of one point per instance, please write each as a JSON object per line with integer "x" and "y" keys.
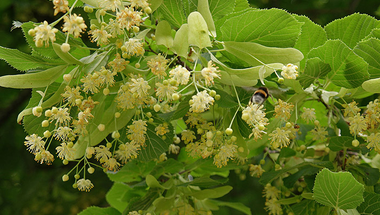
{"x": 30, "y": 188}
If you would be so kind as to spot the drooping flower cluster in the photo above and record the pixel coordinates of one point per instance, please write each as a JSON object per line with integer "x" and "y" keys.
{"x": 254, "y": 116}
{"x": 272, "y": 194}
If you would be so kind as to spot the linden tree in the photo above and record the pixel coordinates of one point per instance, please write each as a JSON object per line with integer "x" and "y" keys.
{"x": 173, "y": 95}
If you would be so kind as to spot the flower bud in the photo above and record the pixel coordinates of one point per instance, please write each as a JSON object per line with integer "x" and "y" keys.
{"x": 157, "y": 107}
{"x": 136, "y": 29}
{"x": 37, "y": 111}
{"x": 355, "y": 143}
{"x": 32, "y": 32}
{"x": 148, "y": 10}
{"x": 117, "y": 115}
{"x": 229, "y": 131}
{"x": 102, "y": 12}
{"x": 88, "y": 9}
{"x": 47, "y": 134}
{"x": 115, "y": 135}
{"x": 67, "y": 77}
{"x": 175, "y": 96}
{"x": 65, "y": 177}
{"x": 106, "y": 91}
{"x": 65, "y": 47}
{"x": 48, "y": 113}
{"x": 45, "y": 123}
{"x": 91, "y": 170}
{"x": 54, "y": 110}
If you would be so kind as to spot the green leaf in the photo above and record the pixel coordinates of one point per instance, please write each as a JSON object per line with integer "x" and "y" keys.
{"x": 371, "y": 204}
{"x": 338, "y": 190}
{"x": 374, "y": 33}
{"x": 154, "y": 4}
{"x": 181, "y": 41}
{"x": 142, "y": 203}
{"x": 132, "y": 171}
{"x": 211, "y": 193}
{"x": 308, "y": 207}
{"x": 315, "y": 69}
{"x": 370, "y": 175}
{"x": 302, "y": 171}
{"x": 255, "y": 54}
{"x": 273, "y": 27}
{"x": 203, "y": 8}
{"x": 33, "y": 80}
{"x": 205, "y": 182}
{"x": 115, "y": 196}
{"x": 241, "y": 5}
{"x": 268, "y": 177}
{"x": 347, "y": 69}
{"x": 312, "y": 36}
{"x": 198, "y": 31}
{"x": 235, "y": 205}
{"x": 285, "y": 153}
{"x": 369, "y": 50}
{"x": 67, "y": 57}
{"x": 155, "y": 144}
{"x": 351, "y": 29}
{"x": 152, "y": 182}
{"x": 172, "y": 11}
{"x": 371, "y": 86}
{"x": 162, "y": 204}
{"x": 22, "y": 61}
{"x": 163, "y": 34}
{"x": 338, "y": 143}
{"x": 228, "y": 101}
{"x": 169, "y": 166}
{"x": 93, "y": 210}
{"x": 220, "y": 8}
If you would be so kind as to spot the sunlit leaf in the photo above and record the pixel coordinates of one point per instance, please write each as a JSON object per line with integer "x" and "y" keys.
{"x": 347, "y": 69}
{"x": 172, "y": 10}
{"x": 369, "y": 50}
{"x": 22, "y": 61}
{"x": 115, "y": 194}
{"x": 339, "y": 190}
{"x": 351, "y": 29}
{"x": 273, "y": 27}
{"x": 371, "y": 204}
{"x": 315, "y": 69}
{"x": 312, "y": 36}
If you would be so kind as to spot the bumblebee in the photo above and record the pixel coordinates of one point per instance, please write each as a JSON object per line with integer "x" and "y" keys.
{"x": 259, "y": 96}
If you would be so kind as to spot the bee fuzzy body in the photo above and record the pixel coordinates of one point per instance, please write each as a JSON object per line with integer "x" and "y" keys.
{"x": 259, "y": 96}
